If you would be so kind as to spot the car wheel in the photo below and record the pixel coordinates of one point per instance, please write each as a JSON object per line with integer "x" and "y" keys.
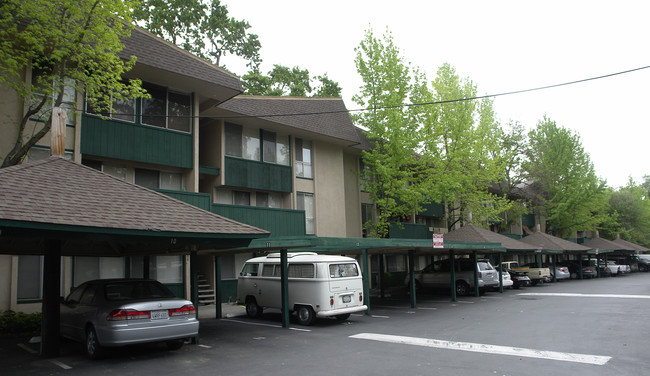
{"x": 343, "y": 317}
{"x": 252, "y": 309}
{"x": 305, "y": 315}
{"x": 93, "y": 348}
{"x": 574, "y": 275}
{"x": 175, "y": 345}
{"x": 462, "y": 288}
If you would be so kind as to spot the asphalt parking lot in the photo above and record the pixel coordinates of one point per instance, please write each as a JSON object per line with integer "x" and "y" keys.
{"x": 595, "y": 327}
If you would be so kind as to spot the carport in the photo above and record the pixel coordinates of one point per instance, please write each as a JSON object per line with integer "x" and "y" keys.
{"x": 607, "y": 247}
{"x": 55, "y": 207}
{"x": 550, "y": 243}
{"x": 356, "y": 246}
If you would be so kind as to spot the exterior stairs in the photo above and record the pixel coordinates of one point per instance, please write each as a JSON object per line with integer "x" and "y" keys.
{"x": 206, "y": 292}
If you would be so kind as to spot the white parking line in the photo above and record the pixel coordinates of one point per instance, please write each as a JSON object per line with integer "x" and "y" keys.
{"x": 487, "y": 349}
{"x": 56, "y": 362}
{"x": 586, "y": 295}
{"x": 27, "y": 348}
{"x": 380, "y": 317}
{"x": 261, "y": 324}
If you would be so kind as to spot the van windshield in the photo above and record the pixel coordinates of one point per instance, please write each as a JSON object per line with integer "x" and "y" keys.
{"x": 343, "y": 270}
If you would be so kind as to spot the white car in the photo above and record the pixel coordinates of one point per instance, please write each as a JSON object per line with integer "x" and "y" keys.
{"x": 507, "y": 281}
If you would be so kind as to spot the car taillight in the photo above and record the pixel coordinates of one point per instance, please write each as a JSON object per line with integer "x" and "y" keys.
{"x": 480, "y": 275}
{"x": 127, "y": 314}
{"x": 185, "y": 310}
{"x": 361, "y": 298}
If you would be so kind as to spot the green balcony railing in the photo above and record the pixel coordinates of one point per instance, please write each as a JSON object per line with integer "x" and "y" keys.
{"x": 409, "y": 231}
{"x": 141, "y": 143}
{"x": 257, "y": 175}
{"x": 280, "y": 222}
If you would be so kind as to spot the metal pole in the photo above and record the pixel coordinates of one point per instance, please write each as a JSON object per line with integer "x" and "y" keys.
{"x": 452, "y": 267}
{"x": 366, "y": 279}
{"x": 500, "y": 273}
{"x": 194, "y": 285}
{"x": 475, "y": 263}
{"x": 50, "y": 319}
{"x": 412, "y": 277}
{"x": 284, "y": 282}
{"x": 217, "y": 286}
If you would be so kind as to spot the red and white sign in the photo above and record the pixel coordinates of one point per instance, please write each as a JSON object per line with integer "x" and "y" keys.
{"x": 437, "y": 241}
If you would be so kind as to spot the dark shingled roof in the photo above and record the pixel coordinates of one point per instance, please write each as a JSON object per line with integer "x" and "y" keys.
{"x": 155, "y": 52}
{"x": 325, "y": 116}
{"x": 553, "y": 243}
{"x": 627, "y": 244}
{"x": 606, "y": 245}
{"x": 472, "y": 233}
{"x": 61, "y": 192}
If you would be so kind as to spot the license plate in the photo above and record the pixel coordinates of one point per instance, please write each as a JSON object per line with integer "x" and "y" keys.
{"x": 158, "y": 315}
{"x": 347, "y": 299}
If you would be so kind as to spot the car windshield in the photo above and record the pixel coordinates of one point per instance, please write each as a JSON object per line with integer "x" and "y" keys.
{"x": 136, "y": 290}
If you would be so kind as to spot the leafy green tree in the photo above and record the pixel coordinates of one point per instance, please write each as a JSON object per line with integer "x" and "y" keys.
{"x": 631, "y": 207}
{"x": 283, "y": 81}
{"x": 568, "y": 192}
{"x": 201, "y": 27}
{"x": 461, "y": 146}
{"x": 63, "y": 45}
{"x": 394, "y": 174}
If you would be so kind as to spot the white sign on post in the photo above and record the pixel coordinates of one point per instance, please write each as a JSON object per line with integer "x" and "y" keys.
{"x": 438, "y": 241}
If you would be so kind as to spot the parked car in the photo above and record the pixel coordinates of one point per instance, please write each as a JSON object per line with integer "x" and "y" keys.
{"x": 574, "y": 269}
{"x": 644, "y": 262}
{"x": 519, "y": 279}
{"x": 535, "y": 273}
{"x": 507, "y": 281}
{"x": 561, "y": 272}
{"x": 438, "y": 275}
{"x": 117, "y": 312}
{"x": 613, "y": 268}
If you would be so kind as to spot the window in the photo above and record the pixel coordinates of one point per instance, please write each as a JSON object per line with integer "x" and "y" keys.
{"x": 167, "y": 269}
{"x": 268, "y": 200}
{"x": 166, "y": 109}
{"x": 276, "y": 148}
{"x": 69, "y": 96}
{"x": 89, "y": 268}
{"x": 242, "y": 142}
{"x": 121, "y": 109}
{"x": 367, "y": 218}
{"x": 241, "y": 198}
{"x": 159, "y": 179}
{"x": 113, "y": 169}
{"x": 249, "y": 270}
{"x": 305, "y": 201}
{"x": 343, "y": 270}
{"x": 301, "y": 271}
{"x": 303, "y": 159}
{"x": 30, "y": 278}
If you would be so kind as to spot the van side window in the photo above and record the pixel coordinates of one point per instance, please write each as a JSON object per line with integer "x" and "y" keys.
{"x": 267, "y": 270}
{"x": 301, "y": 271}
{"x": 249, "y": 270}
{"x": 343, "y": 270}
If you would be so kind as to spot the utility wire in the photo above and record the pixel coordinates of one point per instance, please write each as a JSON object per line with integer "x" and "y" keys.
{"x": 406, "y": 104}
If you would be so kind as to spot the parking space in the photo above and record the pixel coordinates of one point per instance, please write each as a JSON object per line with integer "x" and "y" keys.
{"x": 575, "y": 326}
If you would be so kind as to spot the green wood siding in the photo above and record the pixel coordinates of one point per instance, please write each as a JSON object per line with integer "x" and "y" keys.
{"x": 280, "y": 222}
{"x": 409, "y": 231}
{"x": 433, "y": 209}
{"x": 133, "y": 142}
{"x": 258, "y": 175}
{"x": 201, "y": 200}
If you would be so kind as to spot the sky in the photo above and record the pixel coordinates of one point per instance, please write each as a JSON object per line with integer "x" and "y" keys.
{"x": 501, "y": 46}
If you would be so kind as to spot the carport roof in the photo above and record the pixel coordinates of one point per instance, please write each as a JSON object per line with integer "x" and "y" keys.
{"x": 356, "y": 245}
{"x": 550, "y": 242}
{"x": 472, "y": 233}
{"x": 627, "y": 244}
{"x": 59, "y": 199}
{"x": 606, "y": 245}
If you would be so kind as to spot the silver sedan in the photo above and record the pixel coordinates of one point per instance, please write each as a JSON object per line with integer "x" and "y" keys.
{"x": 118, "y": 312}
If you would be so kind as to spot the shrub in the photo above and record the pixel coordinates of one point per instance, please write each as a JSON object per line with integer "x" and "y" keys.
{"x": 19, "y": 323}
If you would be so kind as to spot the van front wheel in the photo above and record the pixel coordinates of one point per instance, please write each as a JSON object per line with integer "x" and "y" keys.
{"x": 305, "y": 315}
{"x": 252, "y": 309}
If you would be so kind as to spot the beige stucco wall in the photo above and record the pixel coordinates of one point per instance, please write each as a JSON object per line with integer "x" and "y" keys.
{"x": 5, "y": 282}
{"x": 329, "y": 191}
{"x": 352, "y": 195}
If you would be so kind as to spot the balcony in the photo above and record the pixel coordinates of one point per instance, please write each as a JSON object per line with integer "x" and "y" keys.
{"x": 257, "y": 175}
{"x": 409, "y": 231}
{"x": 280, "y": 222}
{"x": 133, "y": 142}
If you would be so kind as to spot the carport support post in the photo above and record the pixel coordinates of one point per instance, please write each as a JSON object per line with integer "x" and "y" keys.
{"x": 452, "y": 267}
{"x": 500, "y": 273}
{"x": 554, "y": 268}
{"x": 412, "y": 277}
{"x": 194, "y": 286}
{"x": 366, "y": 279}
{"x": 50, "y": 305}
{"x": 476, "y": 289}
{"x": 284, "y": 278}
{"x": 217, "y": 282}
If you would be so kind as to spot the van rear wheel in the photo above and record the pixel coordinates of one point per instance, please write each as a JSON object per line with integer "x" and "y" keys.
{"x": 305, "y": 315}
{"x": 252, "y": 309}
